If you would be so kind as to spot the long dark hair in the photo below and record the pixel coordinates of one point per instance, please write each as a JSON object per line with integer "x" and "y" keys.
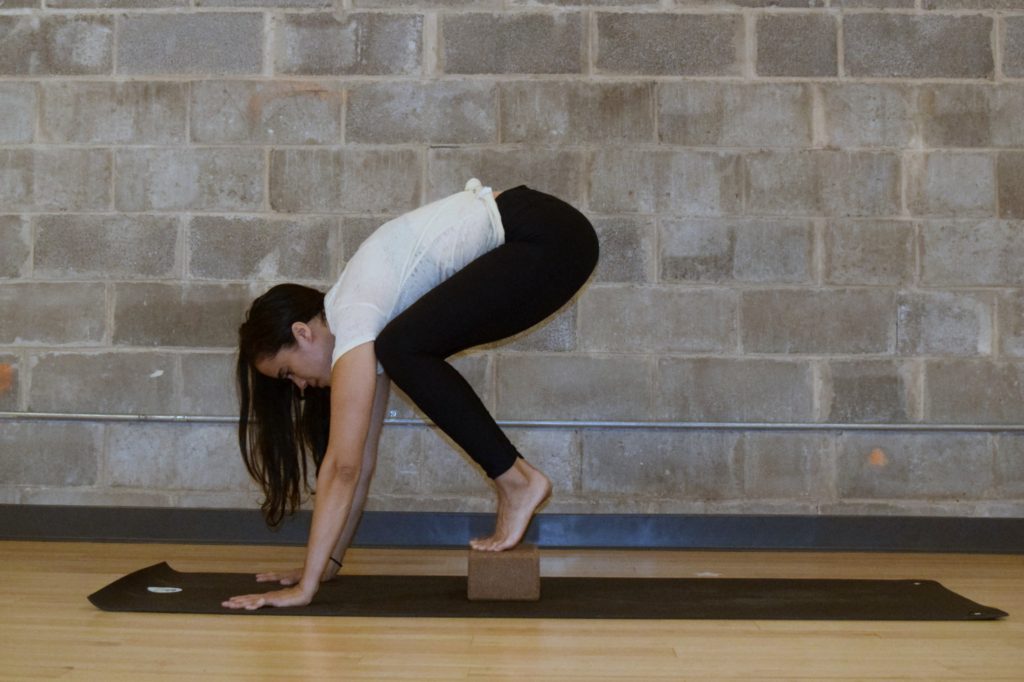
{"x": 279, "y": 425}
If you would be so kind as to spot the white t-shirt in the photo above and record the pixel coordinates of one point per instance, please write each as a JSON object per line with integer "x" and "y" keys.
{"x": 405, "y": 258}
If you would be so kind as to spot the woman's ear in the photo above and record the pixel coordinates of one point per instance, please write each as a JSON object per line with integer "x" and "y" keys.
{"x": 301, "y": 330}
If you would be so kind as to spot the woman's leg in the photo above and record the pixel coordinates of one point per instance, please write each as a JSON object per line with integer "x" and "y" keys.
{"x": 549, "y": 252}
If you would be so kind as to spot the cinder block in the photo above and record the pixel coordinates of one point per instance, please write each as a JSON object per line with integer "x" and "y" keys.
{"x": 445, "y": 469}
{"x": 399, "y": 475}
{"x": 208, "y": 384}
{"x": 290, "y": 4}
{"x": 869, "y": 252}
{"x": 697, "y": 183}
{"x": 789, "y": 467}
{"x": 797, "y": 45}
{"x": 512, "y": 575}
{"x": 956, "y": 115}
{"x": 556, "y": 452}
{"x": 868, "y": 114}
{"x": 627, "y": 249}
{"x": 951, "y": 184}
{"x": 576, "y": 112}
{"x": 866, "y": 391}
{"x": 890, "y": 45}
{"x": 300, "y": 249}
{"x": 1013, "y": 46}
{"x": 972, "y": 4}
{"x": 512, "y": 43}
{"x": 213, "y": 179}
{"x": 55, "y": 179}
{"x": 105, "y": 247}
{"x": 823, "y": 182}
{"x": 424, "y": 4}
{"x": 10, "y": 387}
{"x": 731, "y": 115}
{"x": 190, "y": 315}
{"x": 1006, "y": 123}
{"x": 50, "y": 313}
{"x": 345, "y": 180}
{"x": 971, "y": 253}
{"x": 349, "y": 43}
{"x": 105, "y": 4}
{"x": 555, "y": 171}
{"x": 661, "y": 464}
{"x": 860, "y": 4}
{"x": 670, "y": 44}
{"x": 16, "y": 236}
{"x": 113, "y": 113}
{"x": 190, "y": 43}
{"x": 757, "y": 250}
{"x": 277, "y": 112}
{"x": 1010, "y": 174}
{"x": 1011, "y": 323}
{"x": 17, "y": 112}
{"x": 50, "y": 453}
{"x": 534, "y": 386}
{"x": 919, "y": 466}
{"x": 1009, "y": 468}
{"x": 556, "y": 333}
{"x": 627, "y": 319}
{"x": 116, "y": 383}
{"x": 434, "y": 113}
{"x": 355, "y": 230}
{"x": 945, "y": 323}
{"x": 727, "y": 389}
{"x": 74, "y": 45}
{"x": 846, "y": 321}
{"x": 974, "y": 391}
{"x": 116, "y": 497}
{"x": 968, "y": 115}
{"x": 175, "y": 457}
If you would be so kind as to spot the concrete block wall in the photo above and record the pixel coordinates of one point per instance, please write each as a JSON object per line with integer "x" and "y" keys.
{"x": 810, "y": 211}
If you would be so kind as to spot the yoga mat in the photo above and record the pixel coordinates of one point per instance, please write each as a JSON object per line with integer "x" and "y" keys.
{"x": 159, "y": 588}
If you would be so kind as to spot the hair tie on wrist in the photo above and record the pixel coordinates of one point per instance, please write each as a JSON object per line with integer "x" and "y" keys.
{"x": 335, "y": 561}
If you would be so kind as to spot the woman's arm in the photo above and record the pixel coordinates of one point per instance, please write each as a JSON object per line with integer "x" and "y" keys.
{"x": 380, "y": 404}
{"x": 353, "y": 388}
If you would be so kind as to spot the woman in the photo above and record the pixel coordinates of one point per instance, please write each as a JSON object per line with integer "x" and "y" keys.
{"x": 469, "y": 269}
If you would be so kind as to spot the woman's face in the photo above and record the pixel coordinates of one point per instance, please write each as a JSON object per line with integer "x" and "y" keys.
{"x": 308, "y": 362}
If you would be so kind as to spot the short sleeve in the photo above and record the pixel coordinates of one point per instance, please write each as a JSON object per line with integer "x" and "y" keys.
{"x": 356, "y": 323}
{"x": 359, "y": 305}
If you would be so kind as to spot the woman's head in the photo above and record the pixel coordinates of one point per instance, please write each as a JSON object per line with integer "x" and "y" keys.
{"x": 283, "y": 376}
{"x": 285, "y": 336}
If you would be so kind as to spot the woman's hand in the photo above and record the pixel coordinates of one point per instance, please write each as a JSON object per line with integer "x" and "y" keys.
{"x": 292, "y": 596}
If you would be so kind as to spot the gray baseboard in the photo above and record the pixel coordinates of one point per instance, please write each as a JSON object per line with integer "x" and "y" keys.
{"x": 604, "y": 531}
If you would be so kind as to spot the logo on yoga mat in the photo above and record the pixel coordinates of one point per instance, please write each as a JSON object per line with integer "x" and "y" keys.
{"x": 164, "y": 590}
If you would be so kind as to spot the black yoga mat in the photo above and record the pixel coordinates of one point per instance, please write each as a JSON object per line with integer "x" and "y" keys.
{"x": 159, "y": 588}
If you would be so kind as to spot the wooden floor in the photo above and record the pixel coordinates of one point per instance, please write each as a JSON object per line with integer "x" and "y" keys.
{"x": 49, "y": 631}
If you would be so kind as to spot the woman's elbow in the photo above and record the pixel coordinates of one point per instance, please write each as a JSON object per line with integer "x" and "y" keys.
{"x": 342, "y": 471}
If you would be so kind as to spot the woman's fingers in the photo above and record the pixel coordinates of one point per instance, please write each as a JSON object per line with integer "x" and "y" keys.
{"x": 285, "y": 578}
{"x": 292, "y": 596}
{"x": 249, "y": 602}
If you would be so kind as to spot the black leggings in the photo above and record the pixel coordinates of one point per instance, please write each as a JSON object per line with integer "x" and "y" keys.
{"x": 550, "y": 250}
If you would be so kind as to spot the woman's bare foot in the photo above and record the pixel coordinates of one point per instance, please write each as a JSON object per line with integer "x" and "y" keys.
{"x": 521, "y": 490}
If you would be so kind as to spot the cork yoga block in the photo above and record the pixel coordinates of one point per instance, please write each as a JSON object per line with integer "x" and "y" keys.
{"x": 512, "y": 575}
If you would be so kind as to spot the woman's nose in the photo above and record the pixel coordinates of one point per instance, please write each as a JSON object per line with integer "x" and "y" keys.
{"x": 301, "y": 383}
